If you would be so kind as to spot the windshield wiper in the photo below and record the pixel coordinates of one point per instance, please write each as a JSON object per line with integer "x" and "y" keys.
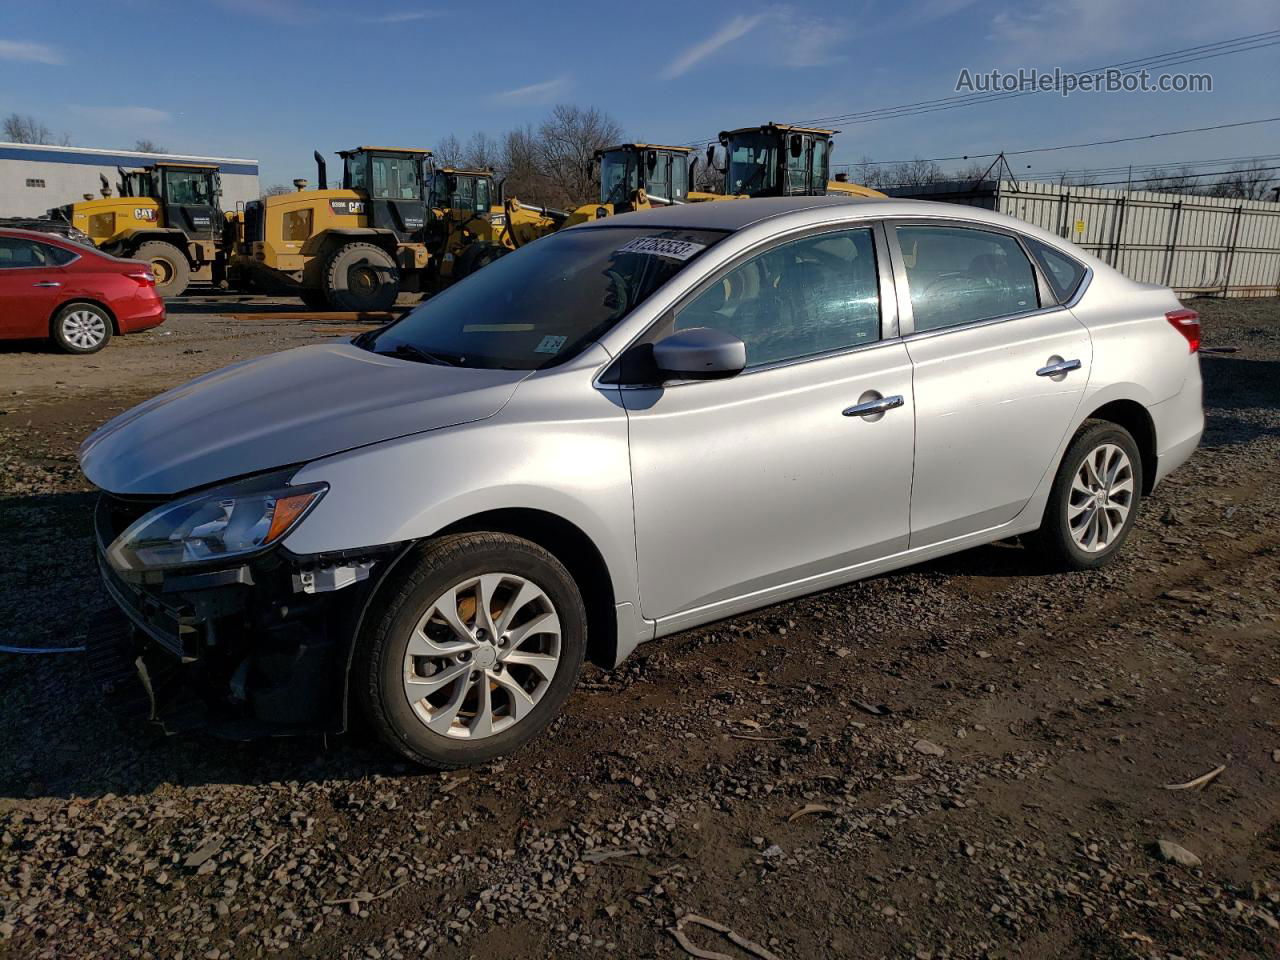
{"x": 407, "y": 351}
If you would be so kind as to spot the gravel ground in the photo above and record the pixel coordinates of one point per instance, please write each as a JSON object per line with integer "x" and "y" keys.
{"x": 967, "y": 759}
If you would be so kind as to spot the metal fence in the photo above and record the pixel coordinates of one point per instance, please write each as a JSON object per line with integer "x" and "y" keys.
{"x": 1200, "y": 246}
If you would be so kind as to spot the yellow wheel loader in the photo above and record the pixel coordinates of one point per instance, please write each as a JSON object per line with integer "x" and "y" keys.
{"x": 633, "y": 176}
{"x": 780, "y": 160}
{"x": 353, "y": 248}
{"x": 166, "y": 214}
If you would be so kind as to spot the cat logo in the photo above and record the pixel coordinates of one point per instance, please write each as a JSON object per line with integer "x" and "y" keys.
{"x": 144, "y": 213}
{"x": 346, "y": 207}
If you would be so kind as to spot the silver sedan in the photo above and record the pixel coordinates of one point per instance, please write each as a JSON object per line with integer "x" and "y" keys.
{"x": 627, "y": 429}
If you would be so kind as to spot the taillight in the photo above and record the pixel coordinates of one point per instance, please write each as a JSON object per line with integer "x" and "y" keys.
{"x": 145, "y": 278}
{"x": 1187, "y": 323}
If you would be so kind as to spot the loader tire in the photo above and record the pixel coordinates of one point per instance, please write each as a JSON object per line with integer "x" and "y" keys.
{"x": 168, "y": 263}
{"x": 361, "y": 277}
{"x": 476, "y": 256}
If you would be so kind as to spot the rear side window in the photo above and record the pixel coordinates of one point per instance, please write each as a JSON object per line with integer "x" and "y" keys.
{"x": 801, "y": 298}
{"x": 1063, "y": 272}
{"x": 962, "y": 275}
{"x": 57, "y": 255}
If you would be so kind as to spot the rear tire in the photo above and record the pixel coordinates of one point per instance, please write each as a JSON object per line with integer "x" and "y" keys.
{"x": 454, "y": 698}
{"x": 1094, "y": 501}
{"x": 81, "y": 328}
{"x": 169, "y": 264}
{"x": 361, "y": 277}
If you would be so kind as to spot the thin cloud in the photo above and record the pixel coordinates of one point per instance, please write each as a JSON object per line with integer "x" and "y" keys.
{"x": 802, "y": 41}
{"x": 123, "y": 116}
{"x": 735, "y": 29}
{"x": 407, "y": 16}
{"x": 30, "y": 52}
{"x": 543, "y": 92}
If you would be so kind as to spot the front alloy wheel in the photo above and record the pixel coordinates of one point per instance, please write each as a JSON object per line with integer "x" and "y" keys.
{"x": 482, "y": 656}
{"x": 470, "y": 648}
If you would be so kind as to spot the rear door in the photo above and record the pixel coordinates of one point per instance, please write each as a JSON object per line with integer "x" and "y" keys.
{"x": 1000, "y": 369}
{"x": 30, "y": 288}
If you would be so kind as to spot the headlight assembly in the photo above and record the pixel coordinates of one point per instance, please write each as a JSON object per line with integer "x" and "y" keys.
{"x": 215, "y": 525}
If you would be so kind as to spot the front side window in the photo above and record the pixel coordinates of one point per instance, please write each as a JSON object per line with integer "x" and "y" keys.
{"x": 465, "y": 196}
{"x": 798, "y": 160}
{"x": 658, "y": 179}
{"x": 618, "y": 176}
{"x": 394, "y": 178}
{"x": 753, "y": 165}
{"x": 188, "y": 188}
{"x": 679, "y": 178}
{"x": 801, "y": 298}
{"x": 962, "y": 275}
{"x": 484, "y": 194}
{"x": 545, "y": 302}
{"x": 16, "y": 252}
{"x": 1063, "y": 272}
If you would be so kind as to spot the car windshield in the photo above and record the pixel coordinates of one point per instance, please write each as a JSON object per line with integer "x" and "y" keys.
{"x": 753, "y": 164}
{"x": 545, "y": 302}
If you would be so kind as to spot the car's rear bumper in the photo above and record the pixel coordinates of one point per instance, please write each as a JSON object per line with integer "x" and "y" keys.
{"x": 1179, "y": 424}
{"x": 139, "y": 313}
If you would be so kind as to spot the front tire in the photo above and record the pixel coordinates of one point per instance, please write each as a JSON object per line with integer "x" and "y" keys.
{"x": 361, "y": 277}
{"x": 168, "y": 264}
{"x": 314, "y": 298}
{"x": 1095, "y": 498}
{"x": 471, "y": 651}
{"x": 81, "y": 328}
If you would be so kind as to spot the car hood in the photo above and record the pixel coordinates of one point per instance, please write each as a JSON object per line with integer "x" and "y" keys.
{"x": 281, "y": 409}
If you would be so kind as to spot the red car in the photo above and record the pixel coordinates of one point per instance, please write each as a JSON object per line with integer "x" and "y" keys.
{"x": 78, "y": 296}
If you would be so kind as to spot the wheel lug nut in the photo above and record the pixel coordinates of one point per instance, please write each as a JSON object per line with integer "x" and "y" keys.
{"x": 497, "y": 668}
{"x": 482, "y": 634}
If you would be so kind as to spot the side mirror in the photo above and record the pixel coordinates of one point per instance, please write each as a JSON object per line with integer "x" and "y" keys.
{"x": 711, "y": 156}
{"x": 700, "y": 353}
{"x": 797, "y": 145}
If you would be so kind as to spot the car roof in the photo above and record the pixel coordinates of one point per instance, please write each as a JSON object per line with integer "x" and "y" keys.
{"x": 35, "y": 235}
{"x": 735, "y": 215}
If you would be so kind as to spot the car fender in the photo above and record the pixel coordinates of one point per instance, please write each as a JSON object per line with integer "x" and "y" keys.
{"x": 559, "y": 446}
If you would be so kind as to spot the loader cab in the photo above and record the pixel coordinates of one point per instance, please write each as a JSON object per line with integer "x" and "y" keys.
{"x": 662, "y": 172}
{"x": 136, "y": 183}
{"x": 190, "y": 195}
{"x": 777, "y": 160}
{"x": 462, "y": 194}
{"x": 393, "y": 180}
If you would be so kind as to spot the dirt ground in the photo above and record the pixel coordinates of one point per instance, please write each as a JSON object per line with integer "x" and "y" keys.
{"x": 967, "y": 759}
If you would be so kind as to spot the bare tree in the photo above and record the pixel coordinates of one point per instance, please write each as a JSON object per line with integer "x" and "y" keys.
{"x": 149, "y": 146}
{"x": 448, "y": 151}
{"x": 1245, "y": 181}
{"x": 24, "y": 128}
{"x": 566, "y": 144}
{"x": 709, "y": 177}
{"x": 519, "y": 165}
{"x": 914, "y": 173}
{"x": 1182, "y": 180}
{"x": 276, "y": 190}
{"x": 482, "y": 152}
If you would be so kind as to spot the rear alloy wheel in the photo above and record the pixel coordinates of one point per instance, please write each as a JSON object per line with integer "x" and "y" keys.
{"x": 168, "y": 265}
{"x": 475, "y": 652}
{"x": 81, "y": 328}
{"x": 1095, "y": 497}
{"x": 361, "y": 277}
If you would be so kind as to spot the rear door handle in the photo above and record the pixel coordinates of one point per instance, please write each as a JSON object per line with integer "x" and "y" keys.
{"x": 871, "y": 407}
{"x": 1058, "y": 368}
{"x": 47, "y": 283}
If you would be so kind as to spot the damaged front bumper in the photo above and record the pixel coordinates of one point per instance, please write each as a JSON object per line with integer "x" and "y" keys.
{"x": 258, "y": 647}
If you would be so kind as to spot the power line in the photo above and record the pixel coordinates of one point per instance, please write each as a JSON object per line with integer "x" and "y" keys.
{"x": 1170, "y": 58}
{"x": 1069, "y": 146}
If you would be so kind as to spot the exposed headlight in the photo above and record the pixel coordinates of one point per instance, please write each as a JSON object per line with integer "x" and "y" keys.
{"x": 216, "y": 525}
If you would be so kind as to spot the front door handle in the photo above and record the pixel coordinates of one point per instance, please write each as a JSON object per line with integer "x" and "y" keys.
{"x": 47, "y": 283}
{"x": 1058, "y": 368}
{"x": 871, "y": 407}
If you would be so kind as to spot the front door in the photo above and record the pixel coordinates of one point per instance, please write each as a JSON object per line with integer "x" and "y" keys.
{"x": 769, "y": 481}
{"x": 999, "y": 372}
{"x": 30, "y": 287}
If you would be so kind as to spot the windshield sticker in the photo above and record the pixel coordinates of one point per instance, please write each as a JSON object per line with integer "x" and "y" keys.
{"x": 662, "y": 247}
{"x": 550, "y": 345}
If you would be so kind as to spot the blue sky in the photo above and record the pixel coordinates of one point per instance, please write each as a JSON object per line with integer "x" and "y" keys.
{"x": 274, "y": 79}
